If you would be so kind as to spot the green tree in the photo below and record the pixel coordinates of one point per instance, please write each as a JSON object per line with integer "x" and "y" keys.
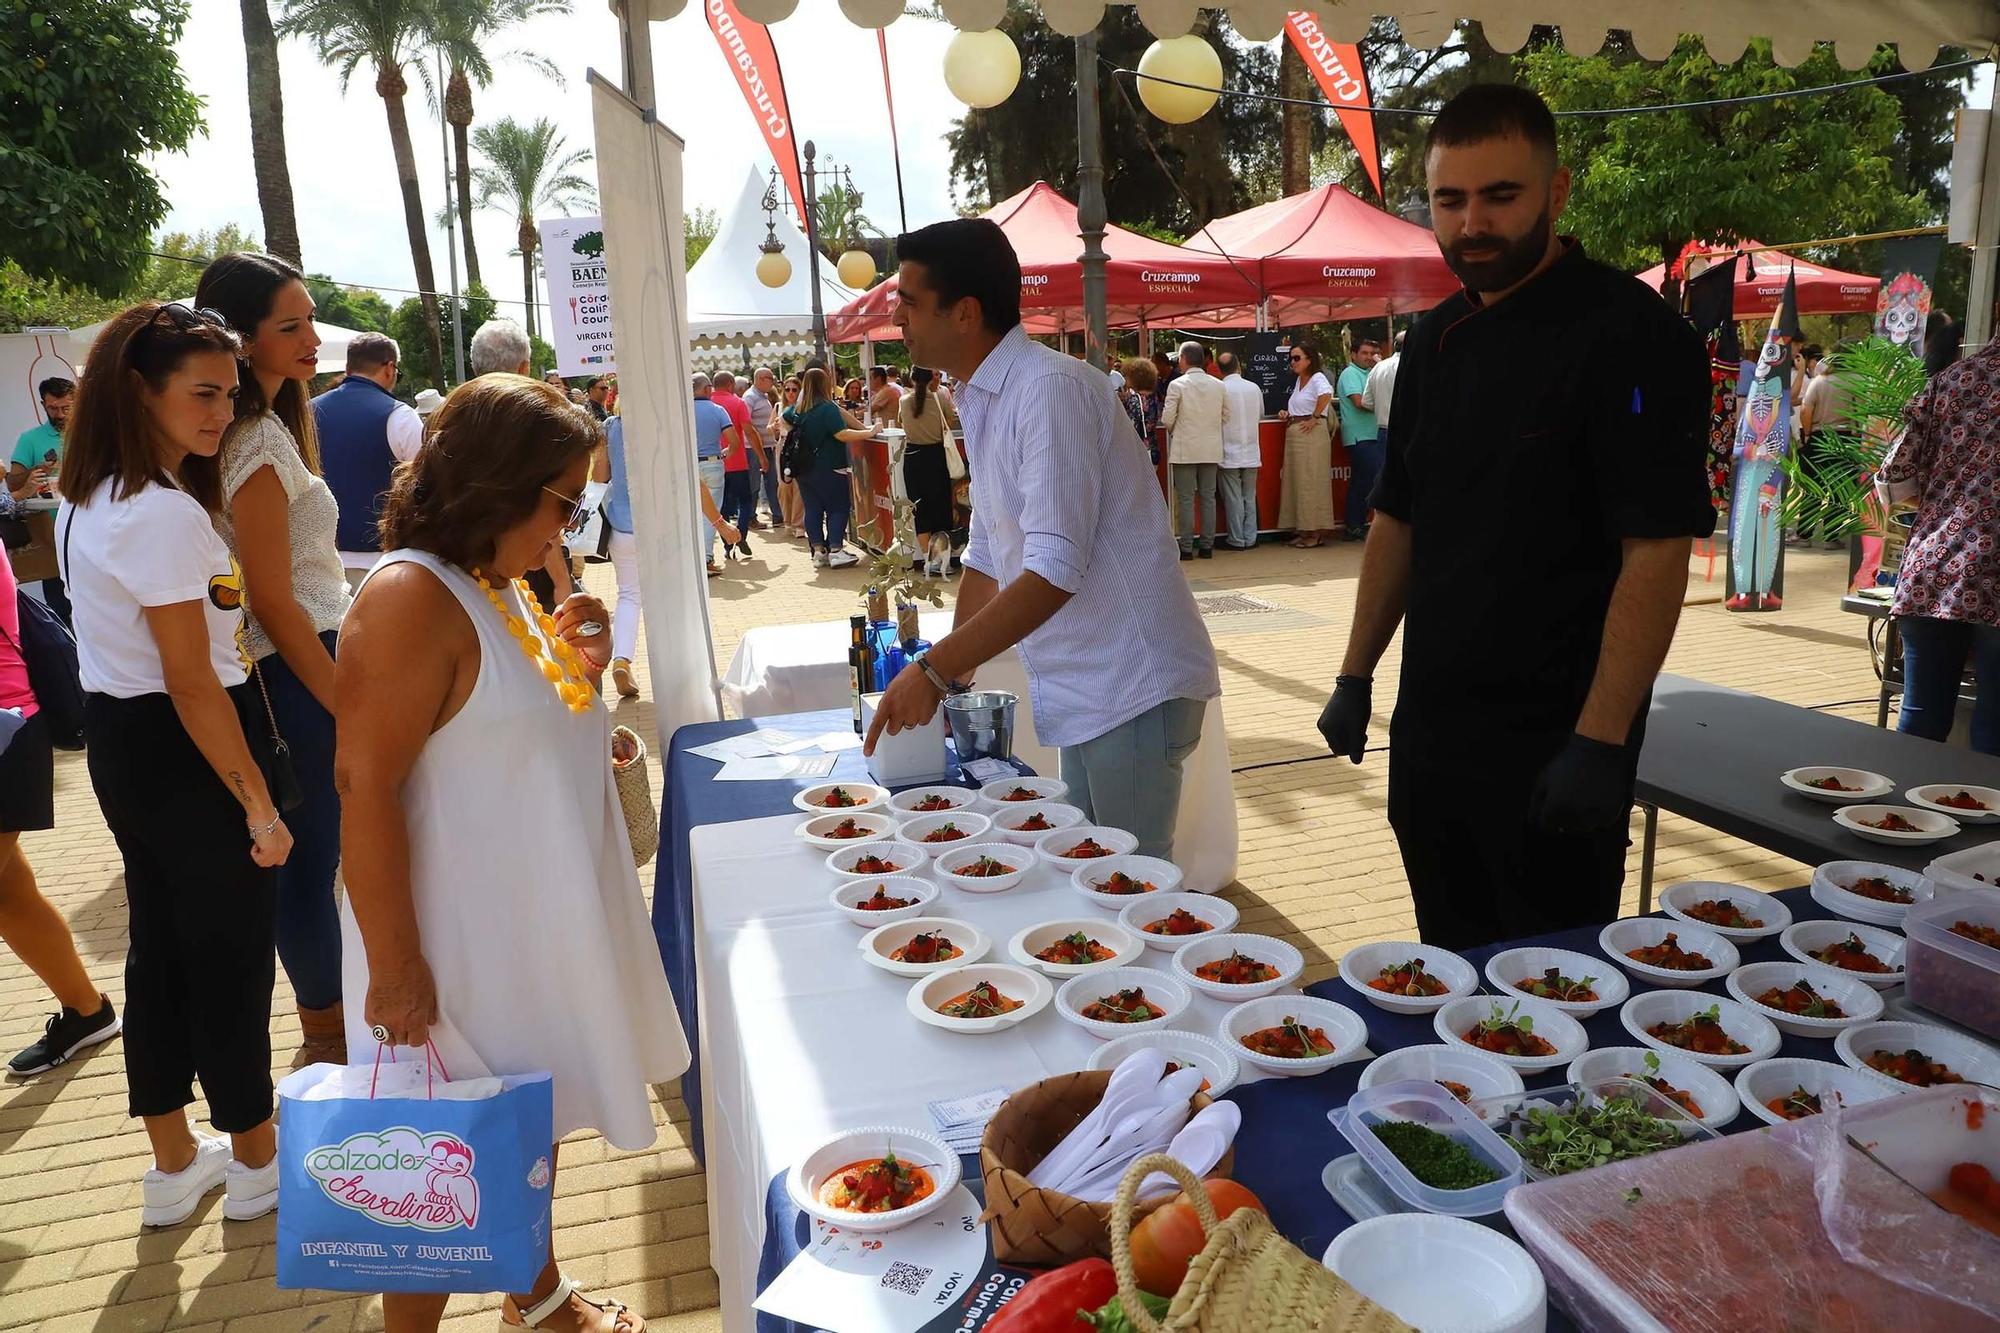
{"x": 701, "y": 225}
{"x": 267, "y": 131}
{"x": 408, "y": 325}
{"x": 88, "y": 90}
{"x": 529, "y": 168}
{"x": 348, "y": 307}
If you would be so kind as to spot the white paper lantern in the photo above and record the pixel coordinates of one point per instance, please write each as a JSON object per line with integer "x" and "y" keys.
{"x": 1167, "y": 19}
{"x": 1259, "y": 20}
{"x": 974, "y": 15}
{"x": 1184, "y": 60}
{"x": 773, "y": 269}
{"x": 1072, "y": 18}
{"x": 659, "y": 11}
{"x": 982, "y": 68}
{"x": 872, "y": 13}
{"x": 767, "y": 11}
{"x": 856, "y": 269}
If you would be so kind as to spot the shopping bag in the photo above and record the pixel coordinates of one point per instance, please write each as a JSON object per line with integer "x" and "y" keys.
{"x": 393, "y": 1178}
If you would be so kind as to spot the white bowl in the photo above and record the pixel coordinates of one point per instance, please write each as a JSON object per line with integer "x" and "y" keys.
{"x": 1926, "y": 798}
{"x": 1137, "y": 913}
{"x": 1217, "y": 1063}
{"x": 1509, "y": 966}
{"x": 1205, "y": 949}
{"x": 1645, "y": 932}
{"x": 1164, "y": 876}
{"x": 1837, "y": 1086}
{"x": 802, "y": 1182}
{"x": 1712, "y": 1092}
{"x": 948, "y": 864}
{"x": 1746, "y": 1024}
{"x": 1015, "y": 983}
{"x": 906, "y": 802}
{"x": 1051, "y": 846}
{"x": 972, "y": 828}
{"x": 1551, "y": 1024}
{"x": 812, "y": 799}
{"x": 1124, "y": 945}
{"x": 1163, "y": 993}
{"x": 1805, "y": 938}
{"x": 1973, "y": 1061}
{"x": 1829, "y": 890}
{"x": 1365, "y": 962}
{"x": 906, "y": 860}
{"x": 1343, "y": 1027}
{"x": 844, "y": 898}
{"x": 815, "y": 830}
{"x": 1003, "y": 818}
{"x": 1867, "y": 786}
{"x": 994, "y": 795}
{"x": 1442, "y": 1273}
{"x": 1860, "y": 1003}
{"x": 1486, "y": 1075}
{"x": 879, "y": 943}
{"x": 1755, "y": 906}
{"x": 1931, "y": 826}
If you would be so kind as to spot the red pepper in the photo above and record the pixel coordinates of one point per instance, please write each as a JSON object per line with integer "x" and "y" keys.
{"x": 1056, "y": 1301}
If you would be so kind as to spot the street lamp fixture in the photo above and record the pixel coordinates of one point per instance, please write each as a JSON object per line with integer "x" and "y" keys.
{"x": 773, "y": 269}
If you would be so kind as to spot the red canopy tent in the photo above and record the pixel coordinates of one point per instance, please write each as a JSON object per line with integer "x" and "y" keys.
{"x": 1760, "y": 281}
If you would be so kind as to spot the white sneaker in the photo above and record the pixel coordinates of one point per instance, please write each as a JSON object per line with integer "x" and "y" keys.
{"x": 842, "y": 559}
{"x": 819, "y": 559}
{"x": 171, "y": 1198}
{"x": 252, "y": 1191}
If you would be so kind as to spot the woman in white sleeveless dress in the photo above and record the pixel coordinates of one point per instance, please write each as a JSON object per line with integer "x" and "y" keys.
{"x": 492, "y": 907}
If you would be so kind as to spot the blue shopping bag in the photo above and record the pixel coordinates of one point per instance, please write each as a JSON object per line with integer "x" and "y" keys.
{"x": 395, "y": 1179}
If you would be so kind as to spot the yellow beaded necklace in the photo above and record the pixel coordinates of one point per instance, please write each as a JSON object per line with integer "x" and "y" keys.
{"x": 564, "y": 670}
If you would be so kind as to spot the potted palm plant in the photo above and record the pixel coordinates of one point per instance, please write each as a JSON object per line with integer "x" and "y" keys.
{"x": 1834, "y": 492}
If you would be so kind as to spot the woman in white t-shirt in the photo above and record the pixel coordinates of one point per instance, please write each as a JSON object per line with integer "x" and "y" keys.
{"x": 174, "y": 759}
{"x": 279, "y": 519}
{"x": 1305, "y": 503}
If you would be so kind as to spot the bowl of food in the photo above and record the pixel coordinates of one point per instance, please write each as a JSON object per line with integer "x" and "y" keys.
{"x": 1730, "y": 910}
{"x": 1787, "y": 1088}
{"x": 847, "y": 797}
{"x": 1294, "y": 1034}
{"x": 1523, "y": 1034}
{"x": 1442, "y": 1272}
{"x": 1218, "y": 1064}
{"x": 1024, "y": 823}
{"x": 1068, "y": 848}
{"x": 933, "y": 832}
{"x": 983, "y": 867}
{"x": 1572, "y": 982}
{"x": 980, "y": 998}
{"x": 1722, "y": 1034}
{"x": 1112, "y": 882}
{"x": 1695, "y": 1088}
{"x": 1236, "y": 967}
{"x": 1866, "y": 953}
{"x": 1169, "y": 920}
{"x": 872, "y": 860}
{"x": 1404, "y": 977}
{"x": 1117, "y": 1000}
{"x": 920, "y": 945}
{"x": 832, "y": 832}
{"x": 1880, "y": 895}
{"x": 1019, "y": 791}
{"x": 876, "y": 900}
{"x": 1465, "y": 1073}
{"x": 1071, "y": 948}
{"x": 1805, "y": 999}
{"x": 935, "y": 800}
{"x": 1917, "y": 1055}
{"x": 873, "y": 1180}
{"x": 1837, "y": 786}
{"x": 1896, "y": 824}
{"x": 1962, "y": 802}
{"x": 1668, "y": 953}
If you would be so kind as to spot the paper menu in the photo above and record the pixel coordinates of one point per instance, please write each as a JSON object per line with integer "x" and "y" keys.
{"x": 773, "y": 767}
{"x": 884, "y": 1282}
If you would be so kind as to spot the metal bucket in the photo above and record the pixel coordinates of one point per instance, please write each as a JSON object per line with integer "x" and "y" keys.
{"x": 982, "y": 724}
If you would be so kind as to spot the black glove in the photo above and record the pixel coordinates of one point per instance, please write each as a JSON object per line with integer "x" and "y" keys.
{"x": 1586, "y": 788}
{"x": 1344, "y": 720}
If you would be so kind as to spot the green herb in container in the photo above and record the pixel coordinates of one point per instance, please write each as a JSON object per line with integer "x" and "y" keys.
{"x": 1436, "y": 1160}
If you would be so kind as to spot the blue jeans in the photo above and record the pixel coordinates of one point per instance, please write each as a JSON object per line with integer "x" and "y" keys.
{"x": 711, "y": 474}
{"x": 828, "y": 501}
{"x": 308, "y": 922}
{"x": 1239, "y": 506}
{"x": 1130, "y": 777}
{"x": 739, "y": 500}
{"x": 1934, "y": 655}
{"x": 764, "y": 480}
{"x": 1364, "y": 466}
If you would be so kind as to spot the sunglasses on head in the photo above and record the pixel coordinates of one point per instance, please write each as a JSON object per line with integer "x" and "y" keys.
{"x": 186, "y": 318}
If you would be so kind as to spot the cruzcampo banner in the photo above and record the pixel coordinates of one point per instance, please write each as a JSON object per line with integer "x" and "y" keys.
{"x": 753, "y": 59}
{"x": 1337, "y": 68}
{"x": 1904, "y": 305}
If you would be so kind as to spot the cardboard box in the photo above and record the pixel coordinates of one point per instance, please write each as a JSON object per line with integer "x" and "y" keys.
{"x": 911, "y": 756}
{"x": 37, "y": 560}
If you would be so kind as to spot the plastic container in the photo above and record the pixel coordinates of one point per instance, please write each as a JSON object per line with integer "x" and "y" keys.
{"x": 1509, "y": 1115}
{"x": 1422, "y": 1102}
{"x": 1959, "y": 872}
{"x": 1442, "y": 1273}
{"x": 1950, "y": 975}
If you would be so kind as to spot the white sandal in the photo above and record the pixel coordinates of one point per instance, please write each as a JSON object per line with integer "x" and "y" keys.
{"x": 566, "y": 1286}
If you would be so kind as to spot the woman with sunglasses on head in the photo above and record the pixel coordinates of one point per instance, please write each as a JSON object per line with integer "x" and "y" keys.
{"x": 281, "y": 521}
{"x": 1305, "y": 503}
{"x": 175, "y": 746}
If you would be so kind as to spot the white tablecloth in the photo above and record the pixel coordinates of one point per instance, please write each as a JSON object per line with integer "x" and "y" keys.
{"x": 794, "y": 1025}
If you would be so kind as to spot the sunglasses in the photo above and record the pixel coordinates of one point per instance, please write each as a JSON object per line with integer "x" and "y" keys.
{"x": 1297, "y": 357}
{"x": 578, "y": 511}
{"x": 186, "y": 318}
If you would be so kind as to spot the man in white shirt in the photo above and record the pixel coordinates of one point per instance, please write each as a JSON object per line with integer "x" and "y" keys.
{"x": 1069, "y": 559}
{"x": 1194, "y": 412}
{"x": 1241, "y": 455}
{"x": 1381, "y": 389}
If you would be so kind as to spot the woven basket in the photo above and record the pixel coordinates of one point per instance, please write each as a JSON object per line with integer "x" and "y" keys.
{"x": 635, "y": 798}
{"x": 1031, "y": 1225}
{"x": 1247, "y": 1278}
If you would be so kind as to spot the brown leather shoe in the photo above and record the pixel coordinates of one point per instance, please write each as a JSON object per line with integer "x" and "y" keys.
{"x": 323, "y": 1035}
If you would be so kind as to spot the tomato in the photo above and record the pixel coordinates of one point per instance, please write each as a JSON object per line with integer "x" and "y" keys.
{"x": 1970, "y": 1179}
{"x": 1166, "y": 1239}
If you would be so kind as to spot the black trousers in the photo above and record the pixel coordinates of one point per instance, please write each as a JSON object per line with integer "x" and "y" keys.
{"x": 199, "y": 973}
{"x": 1478, "y": 872}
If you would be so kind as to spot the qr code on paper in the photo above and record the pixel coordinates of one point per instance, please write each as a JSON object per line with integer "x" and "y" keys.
{"x": 905, "y": 1278}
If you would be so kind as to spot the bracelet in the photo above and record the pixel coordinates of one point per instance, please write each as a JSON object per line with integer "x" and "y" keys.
{"x": 256, "y": 832}
{"x": 942, "y": 685}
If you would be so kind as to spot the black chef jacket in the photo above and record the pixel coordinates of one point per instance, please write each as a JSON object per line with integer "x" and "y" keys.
{"x": 1527, "y": 439}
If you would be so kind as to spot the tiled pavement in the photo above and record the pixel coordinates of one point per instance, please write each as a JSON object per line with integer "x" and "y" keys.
{"x": 1317, "y": 864}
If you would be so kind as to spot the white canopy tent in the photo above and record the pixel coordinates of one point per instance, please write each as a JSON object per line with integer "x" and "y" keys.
{"x": 730, "y": 310}
{"x": 333, "y": 342}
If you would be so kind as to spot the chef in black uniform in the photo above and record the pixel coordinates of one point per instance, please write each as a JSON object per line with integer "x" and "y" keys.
{"x": 1543, "y": 485}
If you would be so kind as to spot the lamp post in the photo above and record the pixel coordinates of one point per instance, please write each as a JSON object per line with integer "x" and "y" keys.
{"x": 811, "y": 212}
{"x": 1090, "y": 207}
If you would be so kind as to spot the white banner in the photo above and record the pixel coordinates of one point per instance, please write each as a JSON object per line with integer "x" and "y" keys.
{"x": 579, "y": 276}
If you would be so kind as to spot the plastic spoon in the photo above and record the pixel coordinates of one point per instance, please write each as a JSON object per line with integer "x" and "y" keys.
{"x": 1199, "y": 1146}
{"x": 1174, "y": 1090}
{"x": 1139, "y": 1134}
{"x": 1135, "y": 1078}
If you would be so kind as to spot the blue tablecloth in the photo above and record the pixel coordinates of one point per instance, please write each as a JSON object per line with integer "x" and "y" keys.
{"x": 1285, "y": 1140}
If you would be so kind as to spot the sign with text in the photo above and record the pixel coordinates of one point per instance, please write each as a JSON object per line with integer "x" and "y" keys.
{"x": 579, "y": 276}
{"x": 1267, "y": 359}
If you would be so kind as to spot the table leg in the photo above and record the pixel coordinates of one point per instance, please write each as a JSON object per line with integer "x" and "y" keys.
{"x": 1646, "y": 857}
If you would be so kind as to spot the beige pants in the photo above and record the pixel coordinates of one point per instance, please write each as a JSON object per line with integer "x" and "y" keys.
{"x": 1305, "y": 502}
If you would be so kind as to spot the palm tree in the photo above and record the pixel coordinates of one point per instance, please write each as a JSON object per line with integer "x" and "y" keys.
{"x": 267, "y": 133}
{"x": 387, "y": 34}
{"x": 460, "y": 28}
{"x": 528, "y": 170}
